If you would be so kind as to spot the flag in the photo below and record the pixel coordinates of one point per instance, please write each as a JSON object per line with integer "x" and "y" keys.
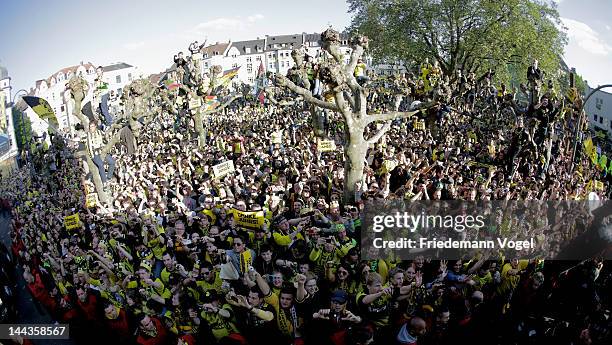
{"x": 603, "y": 161}
{"x": 210, "y": 103}
{"x": 228, "y": 76}
{"x": 42, "y": 108}
{"x": 261, "y": 97}
{"x": 171, "y": 84}
{"x": 260, "y": 81}
{"x": 588, "y": 144}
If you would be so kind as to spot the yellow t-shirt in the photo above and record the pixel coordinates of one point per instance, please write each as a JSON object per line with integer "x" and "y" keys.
{"x": 220, "y": 326}
{"x": 283, "y": 317}
{"x": 509, "y": 282}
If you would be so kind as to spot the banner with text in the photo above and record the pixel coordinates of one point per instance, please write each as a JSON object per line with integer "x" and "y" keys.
{"x": 223, "y": 169}
{"x": 251, "y": 220}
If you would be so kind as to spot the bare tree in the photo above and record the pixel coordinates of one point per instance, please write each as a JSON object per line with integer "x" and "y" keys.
{"x": 350, "y": 100}
{"x": 137, "y": 98}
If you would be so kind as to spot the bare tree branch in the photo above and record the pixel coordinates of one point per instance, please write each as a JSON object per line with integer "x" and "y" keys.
{"x": 380, "y": 133}
{"x": 356, "y": 54}
{"x": 397, "y": 114}
{"x": 308, "y": 97}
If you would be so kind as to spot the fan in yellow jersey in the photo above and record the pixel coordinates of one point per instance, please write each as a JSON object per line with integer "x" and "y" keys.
{"x": 287, "y": 320}
{"x": 217, "y": 316}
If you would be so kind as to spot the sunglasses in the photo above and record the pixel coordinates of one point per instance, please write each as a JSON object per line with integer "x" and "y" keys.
{"x": 237, "y": 244}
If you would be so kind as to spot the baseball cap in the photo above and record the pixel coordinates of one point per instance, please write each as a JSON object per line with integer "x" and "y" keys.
{"x": 339, "y": 296}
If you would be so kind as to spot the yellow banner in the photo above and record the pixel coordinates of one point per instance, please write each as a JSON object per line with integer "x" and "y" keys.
{"x": 326, "y": 145}
{"x": 91, "y": 200}
{"x": 419, "y": 125}
{"x": 252, "y": 220}
{"x": 72, "y": 222}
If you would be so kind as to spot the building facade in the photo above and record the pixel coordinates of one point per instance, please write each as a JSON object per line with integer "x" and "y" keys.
{"x": 273, "y": 52}
{"x": 53, "y": 89}
{"x": 8, "y": 141}
{"x": 599, "y": 111}
{"x": 118, "y": 75}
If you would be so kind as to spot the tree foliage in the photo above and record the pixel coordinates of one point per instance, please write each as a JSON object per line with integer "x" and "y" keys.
{"x": 23, "y": 129}
{"x": 474, "y": 35}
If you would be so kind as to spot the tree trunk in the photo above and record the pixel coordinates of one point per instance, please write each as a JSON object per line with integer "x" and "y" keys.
{"x": 355, "y": 151}
{"x": 97, "y": 180}
{"x": 199, "y": 126}
{"x": 93, "y": 168}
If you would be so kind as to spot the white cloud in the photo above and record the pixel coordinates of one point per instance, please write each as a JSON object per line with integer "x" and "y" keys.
{"x": 608, "y": 27}
{"x": 255, "y": 17}
{"x": 227, "y": 24}
{"x": 134, "y": 45}
{"x": 586, "y": 38}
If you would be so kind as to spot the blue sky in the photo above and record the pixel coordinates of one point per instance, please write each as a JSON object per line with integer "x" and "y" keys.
{"x": 41, "y": 37}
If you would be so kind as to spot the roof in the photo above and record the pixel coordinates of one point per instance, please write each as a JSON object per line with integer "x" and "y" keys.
{"x": 71, "y": 69}
{"x": 117, "y": 66}
{"x": 292, "y": 41}
{"x": 155, "y": 78}
{"x": 215, "y": 49}
{"x": 316, "y": 37}
{"x": 251, "y": 44}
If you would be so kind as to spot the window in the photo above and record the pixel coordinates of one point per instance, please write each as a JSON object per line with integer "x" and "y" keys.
{"x": 130, "y": 76}
{"x": 258, "y": 58}
{"x": 119, "y": 90}
{"x": 250, "y": 79}
{"x": 205, "y": 55}
{"x": 250, "y": 68}
{"x": 248, "y": 59}
{"x": 271, "y": 66}
{"x": 206, "y": 64}
{"x": 601, "y": 119}
{"x": 118, "y": 79}
{"x": 215, "y": 53}
{"x": 282, "y": 64}
{"x": 247, "y": 50}
{"x": 234, "y": 65}
{"x": 595, "y": 117}
{"x": 63, "y": 108}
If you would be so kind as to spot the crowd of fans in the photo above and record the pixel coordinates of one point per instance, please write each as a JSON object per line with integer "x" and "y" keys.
{"x": 168, "y": 262}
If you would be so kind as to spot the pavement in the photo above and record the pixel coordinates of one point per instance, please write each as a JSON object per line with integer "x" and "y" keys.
{"x": 26, "y": 311}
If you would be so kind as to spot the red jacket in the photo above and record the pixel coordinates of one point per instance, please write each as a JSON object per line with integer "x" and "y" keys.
{"x": 38, "y": 289}
{"x": 119, "y": 326}
{"x": 89, "y": 307}
{"x": 160, "y": 339}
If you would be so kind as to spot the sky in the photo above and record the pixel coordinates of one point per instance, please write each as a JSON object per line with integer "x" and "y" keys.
{"x": 41, "y": 37}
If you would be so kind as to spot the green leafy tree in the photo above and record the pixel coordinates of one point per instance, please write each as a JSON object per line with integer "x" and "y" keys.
{"x": 475, "y": 35}
{"x": 23, "y": 129}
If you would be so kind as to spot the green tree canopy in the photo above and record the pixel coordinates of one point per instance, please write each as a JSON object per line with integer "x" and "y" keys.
{"x": 474, "y": 35}
{"x": 23, "y": 129}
